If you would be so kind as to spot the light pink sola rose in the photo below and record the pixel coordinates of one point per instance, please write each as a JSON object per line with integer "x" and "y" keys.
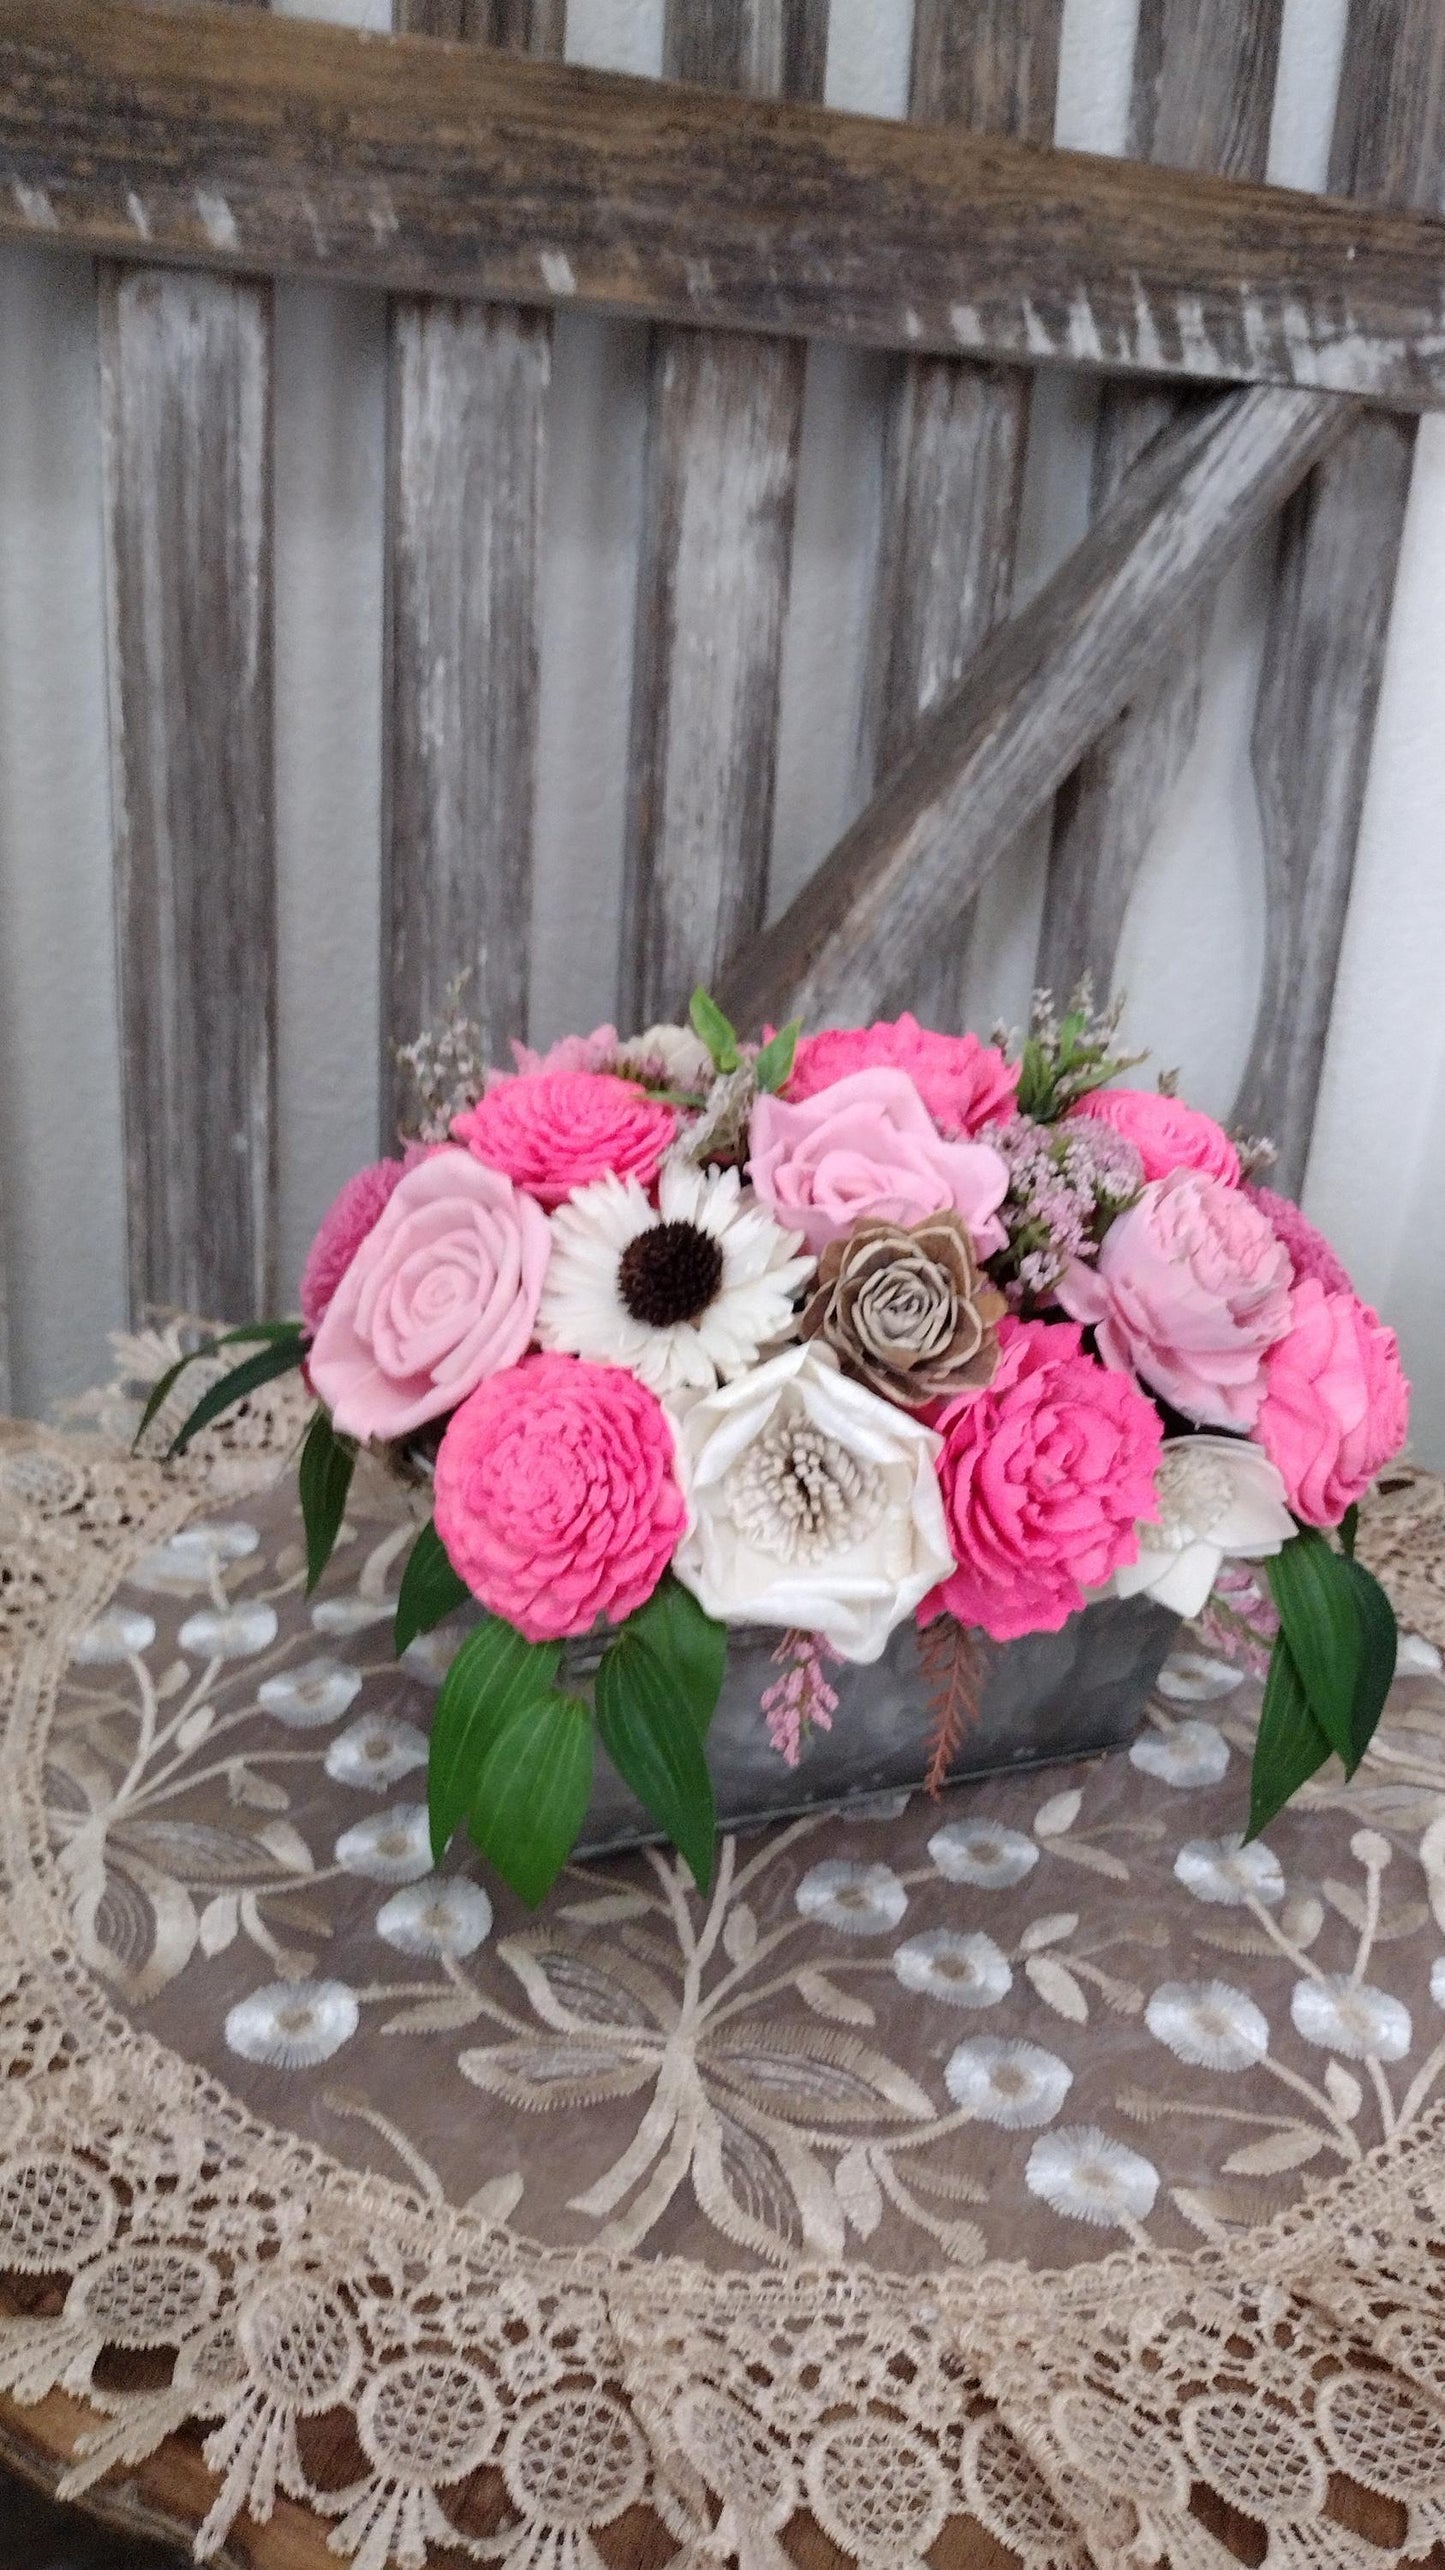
{"x": 1336, "y": 1404}
{"x": 1190, "y": 1290}
{"x": 964, "y": 1084}
{"x": 443, "y": 1290}
{"x": 561, "y": 1129}
{"x": 344, "y": 1226}
{"x": 867, "y": 1150}
{"x": 1044, "y": 1479}
{"x": 1165, "y": 1132}
{"x": 557, "y": 1496}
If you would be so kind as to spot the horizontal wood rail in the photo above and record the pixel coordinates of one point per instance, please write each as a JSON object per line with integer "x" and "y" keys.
{"x": 228, "y": 138}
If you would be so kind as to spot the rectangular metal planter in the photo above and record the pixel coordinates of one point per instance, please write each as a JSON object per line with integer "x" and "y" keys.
{"x": 1048, "y": 1697}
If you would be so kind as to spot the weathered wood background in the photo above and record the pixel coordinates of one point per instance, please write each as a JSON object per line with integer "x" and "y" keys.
{"x": 1241, "y": 339}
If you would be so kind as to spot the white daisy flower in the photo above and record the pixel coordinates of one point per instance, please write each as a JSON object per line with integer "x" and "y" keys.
{"x": 1193, "y": 1753}
{"x": 391, "y": 1847}
{"x": 1214, "y": 1496}
{"x": 293, "y": 2025}
{"x": 686, "y": 1296}
{"x": 1015, "y": 2084}
{"x": 1209, "y": 2024}
{"x": 317, "y": 1692}
{"x": 1193, "y": 1677}
{"x": 233, "y": 1634}
{"x": 436, "y": 1921}
{"x": 1084, "y": 2174}
{"x": 862, "y": 1900}
{"x": 1437, "y": 1980}
{"x": 376, "y": 1752}
{"x": 120, "y": 1635}
{"x": 343, "y": 1616}
{"x": 967, "y": 1971}
{"x": 1226, "y": 1872}
{"x": 1362, "y": 2023}
{"x": 186, "y": 1561}
{"x": 982, "y": 1852}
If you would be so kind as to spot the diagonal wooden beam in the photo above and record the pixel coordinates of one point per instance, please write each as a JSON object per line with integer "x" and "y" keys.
{"x": 227, "y": 138}
{"x": 1041, "y": 689}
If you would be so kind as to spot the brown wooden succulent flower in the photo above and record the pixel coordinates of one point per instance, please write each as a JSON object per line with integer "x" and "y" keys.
{"x": 906, "y": 1311}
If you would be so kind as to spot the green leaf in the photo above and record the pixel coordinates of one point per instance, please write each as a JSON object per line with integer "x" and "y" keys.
{"x": 532, "y": 1789}
{"x": 651, "y": 1736}
{"x": 1380, "y": 1641}
{"x": 430, "y": 1589}
{"x": 1350, "y": 1528}
{"x": 496, "y": 1672}
{"x": 717, "y": 1034}
{"x": 1290, "y": 1745}
{"x": 774, "y": 1065}
{"x": 1321, "y": 1619}
{"x": 327, "y": 1464}
{"x": 273, "y": 1330}
{"x": 690, "y": 1644}
{"x": 279, "y": 1356}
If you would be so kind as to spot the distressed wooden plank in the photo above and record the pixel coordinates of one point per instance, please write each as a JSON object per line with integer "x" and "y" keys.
{"x": 468, "y": 385}
{"x": 186, "y": 448}
{"x": 5, "y": 1392}
{"x": 1202, "y": 94}
{"x": 1325, "y": 648}
{"x": 717, "y": 530}
{"x": 246, "y": 142}
{"x": 954, "y": 455}
{"x": 1040, "y": 690}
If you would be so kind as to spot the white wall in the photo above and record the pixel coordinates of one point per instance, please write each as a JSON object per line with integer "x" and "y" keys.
{"x": 1376, "y": 1173}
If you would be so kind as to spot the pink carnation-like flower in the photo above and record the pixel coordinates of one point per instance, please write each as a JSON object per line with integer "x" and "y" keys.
{"x": 443, "y": 1290}
{"x": 1190, "y": 1289}
{"x": 1044, "y": 1478}
{"x": 1336, "y": 1405}
{"x": 1165, "y": 1132}
{"x": 344, "y": 1226}
{"x": 963, "y": 1084}
{"x": 557, "y": 1496}
{"x": 561, "y": 1129}
{"x": 1310, "y": 1253}
{"x": 867, "y": 1149}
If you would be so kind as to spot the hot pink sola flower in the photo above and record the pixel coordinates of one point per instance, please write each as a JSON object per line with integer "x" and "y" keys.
{"x": 864, "y": 1150}
{"x": 1044, "y": 1478}
{"x": 344, "y": 1226}
{"x": 443, "y": 1290}
{"x": 1190, "y": 1290}
{"x": 556, "y": 1495}
{"x": 1164, "y": 1131}
{"x": 1336, "y": 1405}
{"x": 1310, "y": 1253}
{"x": 963, "y": 1084}
{"x": 560, "y": 1129}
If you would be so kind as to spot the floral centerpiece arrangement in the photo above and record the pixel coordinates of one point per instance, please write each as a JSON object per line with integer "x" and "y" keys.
{"x": 684, "y": 1333}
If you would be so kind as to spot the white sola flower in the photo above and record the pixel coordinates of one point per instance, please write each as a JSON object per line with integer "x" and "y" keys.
{"x": 685, "y": 1296}
{"x": 1216, "y": 1496}
{"x": 813, "y": 1504}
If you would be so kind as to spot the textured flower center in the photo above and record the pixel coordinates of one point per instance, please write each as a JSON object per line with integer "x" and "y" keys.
{"x": 1195, "y": 1494}
{"x": 799, "y": 1494}
{"x": 670, "y": 1273}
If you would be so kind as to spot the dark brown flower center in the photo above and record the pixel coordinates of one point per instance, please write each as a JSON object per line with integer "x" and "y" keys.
{"x": 670, "y": 1274}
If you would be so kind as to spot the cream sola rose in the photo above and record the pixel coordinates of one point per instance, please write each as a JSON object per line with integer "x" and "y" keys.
{"x": 815, "y": 1505}
{"x": 1217, "y": 1497}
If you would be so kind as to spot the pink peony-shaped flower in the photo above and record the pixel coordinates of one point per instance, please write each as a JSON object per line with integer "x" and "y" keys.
{"x": 1044, "y": 1479}
{"x": 867, "y": 1149}
{"x": 1309, "y": 1251}
{"x": 1190, "y": 1289}
{"x": 1336, "y": 1405}
{"x": 963, "y": 1084}
{"x": 443, "y": 1290}
{"x": 557, "y": 1496}
{"x": 1165, "y": 1132}
{"x": 561, "y": 1129}
{"x": 344, "y": 1226}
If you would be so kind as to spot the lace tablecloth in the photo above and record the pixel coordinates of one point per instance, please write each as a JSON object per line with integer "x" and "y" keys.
{"x": 1036, "y": 2160}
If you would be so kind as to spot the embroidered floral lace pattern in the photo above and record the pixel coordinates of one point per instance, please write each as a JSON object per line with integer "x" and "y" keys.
{"x": 1037, "y": 2159}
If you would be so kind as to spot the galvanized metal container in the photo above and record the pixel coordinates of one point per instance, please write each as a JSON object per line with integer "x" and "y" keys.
{"x": 1047, "y": 1697}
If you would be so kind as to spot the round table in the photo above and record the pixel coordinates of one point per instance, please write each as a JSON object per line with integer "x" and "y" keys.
{"x": 1034, "y": 2175}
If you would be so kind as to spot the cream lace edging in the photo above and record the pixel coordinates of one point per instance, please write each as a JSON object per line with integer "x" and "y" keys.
{"x": 1074, "y": 2416}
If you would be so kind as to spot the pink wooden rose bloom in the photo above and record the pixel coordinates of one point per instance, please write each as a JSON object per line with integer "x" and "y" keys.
{"x": 964, "y": 1084}
{"x": 1336, "y": 1405}
{"x": 557, "y": 1130}
{"x": 1165, "y": 1132}
{"x": 442, "y": 1291}
{"x": 864, "y": 1150}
